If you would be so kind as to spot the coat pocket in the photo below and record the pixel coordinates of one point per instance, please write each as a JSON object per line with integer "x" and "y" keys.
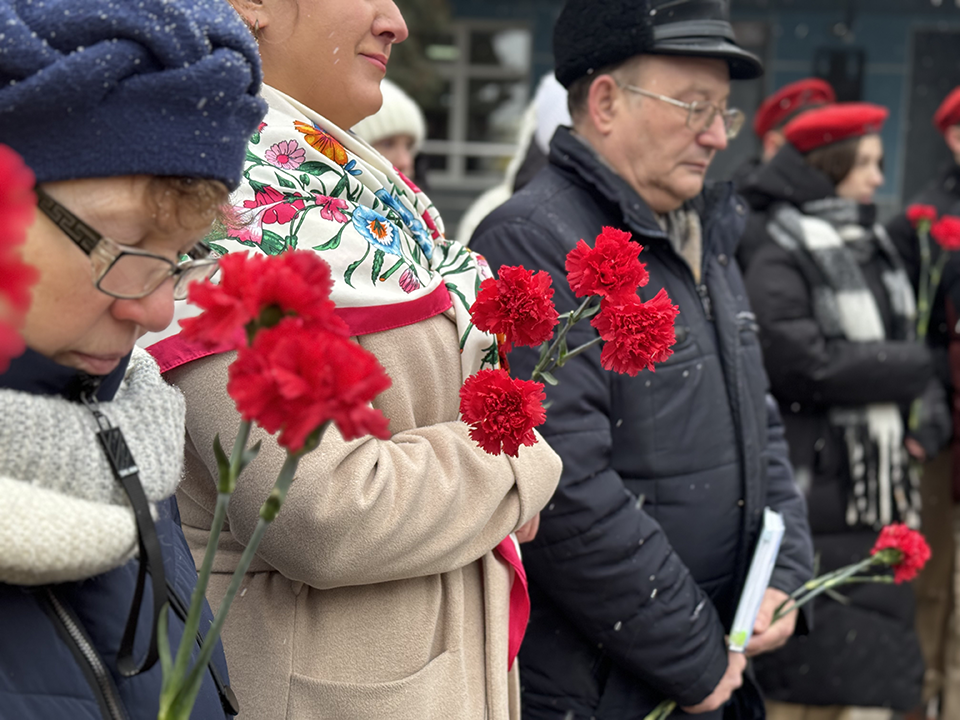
{"x": 435, "y": 692}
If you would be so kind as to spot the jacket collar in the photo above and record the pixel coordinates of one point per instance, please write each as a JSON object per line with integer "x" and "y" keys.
{"x": 576, "y": 157}
{"x": 39, "y": 375}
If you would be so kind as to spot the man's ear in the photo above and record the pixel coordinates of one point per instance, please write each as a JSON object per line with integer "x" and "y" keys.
{"x": 604, "y": 101}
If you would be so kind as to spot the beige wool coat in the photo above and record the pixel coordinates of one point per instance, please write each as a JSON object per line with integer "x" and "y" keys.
{"x": 375, "y": 593}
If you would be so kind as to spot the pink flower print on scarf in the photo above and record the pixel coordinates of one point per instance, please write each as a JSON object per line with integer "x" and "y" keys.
{"x": 409, "y": 282}
{"x": 330, "y": 207}
{"x": 286, "y": 154}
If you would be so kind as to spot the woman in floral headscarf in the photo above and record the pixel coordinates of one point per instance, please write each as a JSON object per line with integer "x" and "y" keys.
{"x": 389, "y": 585}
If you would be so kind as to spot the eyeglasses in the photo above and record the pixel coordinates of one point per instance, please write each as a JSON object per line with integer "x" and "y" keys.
{"x": 128, "y": 273}
{"x": 700, "y": 114}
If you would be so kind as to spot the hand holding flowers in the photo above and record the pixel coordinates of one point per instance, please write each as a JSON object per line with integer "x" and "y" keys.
{"x": 897, "y": 548}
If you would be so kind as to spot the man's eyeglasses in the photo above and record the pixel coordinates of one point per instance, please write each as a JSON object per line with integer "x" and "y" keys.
{"x": 124, "y": 272}
{"x": 700, "y": 114}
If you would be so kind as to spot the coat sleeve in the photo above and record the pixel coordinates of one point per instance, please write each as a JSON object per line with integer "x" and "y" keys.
{"x": 601, "y": 559}
{"x": 795, "y": 561}
{"x": 425, "y": 502}
{"x": 807, "y": 367}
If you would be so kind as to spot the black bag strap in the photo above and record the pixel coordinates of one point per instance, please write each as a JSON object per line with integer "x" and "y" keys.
{"x": 151, "y": 558}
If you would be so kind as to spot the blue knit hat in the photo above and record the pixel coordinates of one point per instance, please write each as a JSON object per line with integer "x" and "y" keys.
{"x": 101, "y": 88}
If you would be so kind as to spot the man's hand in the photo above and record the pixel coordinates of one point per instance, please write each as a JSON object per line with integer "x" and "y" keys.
{"x": 528, "y": 531}
{"x": 767, "y": 636}
{"x": 731, "y": 680}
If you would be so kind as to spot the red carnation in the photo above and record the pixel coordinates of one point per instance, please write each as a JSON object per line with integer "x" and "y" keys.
{"x": 912, "y": 551}
{"x": 17, "y": 202}
{"x": 294, "y": 283}
{"x": 296, "y": 377}
{"x": 518, "y": 306}
{"x": 946, "y": 231}
{"x": 502, "y": 411}
{"x": 637, "y": 334}
{"x": 917, "y": 214}
{"x": 609, "y": 268}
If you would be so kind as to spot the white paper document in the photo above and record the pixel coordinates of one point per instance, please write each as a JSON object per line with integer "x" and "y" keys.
{"x": 758, "y": 579}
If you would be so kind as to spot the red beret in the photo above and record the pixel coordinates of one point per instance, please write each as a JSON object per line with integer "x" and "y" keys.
{"x": 834, "y": 123}
{"x": 790, "y": 99}
{"x": 948, "y": 114}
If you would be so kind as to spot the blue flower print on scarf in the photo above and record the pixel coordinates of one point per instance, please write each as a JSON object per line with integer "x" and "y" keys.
{"x": 351, "y": 167}
{"x": 379, "y": 232}
{"x": 420, "y": 233}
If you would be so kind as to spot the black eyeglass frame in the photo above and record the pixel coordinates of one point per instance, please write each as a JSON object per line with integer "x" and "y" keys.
{"x": 105, "y": 253}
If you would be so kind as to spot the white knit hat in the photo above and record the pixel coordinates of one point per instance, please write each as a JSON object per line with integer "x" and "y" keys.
{"x": 398, "y": 115}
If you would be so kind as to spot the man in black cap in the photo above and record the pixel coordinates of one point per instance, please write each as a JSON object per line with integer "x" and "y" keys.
{"x": 642, "y": 554}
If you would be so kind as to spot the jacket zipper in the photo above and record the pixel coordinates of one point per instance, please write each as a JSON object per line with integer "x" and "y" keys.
{"x": 107, "y": 690}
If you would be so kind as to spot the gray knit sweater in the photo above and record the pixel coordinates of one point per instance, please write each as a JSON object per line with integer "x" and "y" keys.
{"x": 64, "y": 515}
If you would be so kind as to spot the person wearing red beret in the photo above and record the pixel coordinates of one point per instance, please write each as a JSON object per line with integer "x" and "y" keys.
{"x": 836, "y": 314}
{"x": 772, "y": 116}
{"x": 786, "y": 104}
{"x": 941, "y": 472}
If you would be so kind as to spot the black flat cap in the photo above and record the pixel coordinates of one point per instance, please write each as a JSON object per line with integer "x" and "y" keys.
{"x": 591, "y": 34}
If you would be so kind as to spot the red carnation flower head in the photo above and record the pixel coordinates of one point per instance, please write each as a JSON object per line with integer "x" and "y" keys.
{"x": 258, "y": 290}
{"x": 17, "y": 202}
{"x": 946, "y": 231}
{"x": 917, "y": 214}
{"x": 905, "y": 550}
{"x": 637, "y": 334}
{"x": 518, "y": 306}
{"x": 295, "y": 377}
{"x": 502, "y": 411}
{"x": 610, "y": 267}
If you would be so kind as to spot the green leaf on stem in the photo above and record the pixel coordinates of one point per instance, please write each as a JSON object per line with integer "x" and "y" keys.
{"x": 590, "y": 312}
{"x": 549, "y": 379}
{"x": 223, "y": 464}
{"x": 163, "y": 645}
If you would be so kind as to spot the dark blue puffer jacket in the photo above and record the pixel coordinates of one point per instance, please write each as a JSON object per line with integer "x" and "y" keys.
{"x": 59, "y": 643}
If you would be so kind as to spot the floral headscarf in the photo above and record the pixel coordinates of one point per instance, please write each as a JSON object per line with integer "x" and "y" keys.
{"x": 308, "y": 184}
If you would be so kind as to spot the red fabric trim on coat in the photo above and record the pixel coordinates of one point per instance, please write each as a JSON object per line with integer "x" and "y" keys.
{"x": 174, "y": 351}
{"x": 519, "y": 598}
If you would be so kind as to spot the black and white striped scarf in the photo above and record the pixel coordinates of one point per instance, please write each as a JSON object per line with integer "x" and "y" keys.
{"x": 827, "y": 235}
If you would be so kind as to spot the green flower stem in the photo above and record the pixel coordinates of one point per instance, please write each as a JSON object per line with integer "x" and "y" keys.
{"x": 929, "y": 283}
{"x": 842, "y": 577}
{"x": 576, "y": 351}
{"x": 548, "y": 362}
{"x": 183, "y": 701}
{"x": 662, "y": 711}
{"x": 173, "y": 684}
{"x": 191, "y": 686}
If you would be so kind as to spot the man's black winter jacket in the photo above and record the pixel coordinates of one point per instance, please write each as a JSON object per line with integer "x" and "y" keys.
{"x": 641, "y": 555}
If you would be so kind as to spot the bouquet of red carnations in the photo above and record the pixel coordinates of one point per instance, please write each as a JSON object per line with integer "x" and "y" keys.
{"x": 518, "y": 308}
{"x": 296, "y": 372}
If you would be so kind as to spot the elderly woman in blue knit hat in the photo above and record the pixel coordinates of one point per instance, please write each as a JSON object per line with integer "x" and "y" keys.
{"x": 390, "y": 586}
{"x": 134, "y": 118}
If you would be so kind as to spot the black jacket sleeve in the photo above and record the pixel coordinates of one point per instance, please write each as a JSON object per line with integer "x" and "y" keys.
{"x": 805, "y": 366}
{"x": 604, "y": 562}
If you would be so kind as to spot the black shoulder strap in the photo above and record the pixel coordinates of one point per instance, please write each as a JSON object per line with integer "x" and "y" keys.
{"x": 151, "y": 558}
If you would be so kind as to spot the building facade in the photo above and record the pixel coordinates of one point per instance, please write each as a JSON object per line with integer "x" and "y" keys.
{"x": 904, "y": 54}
